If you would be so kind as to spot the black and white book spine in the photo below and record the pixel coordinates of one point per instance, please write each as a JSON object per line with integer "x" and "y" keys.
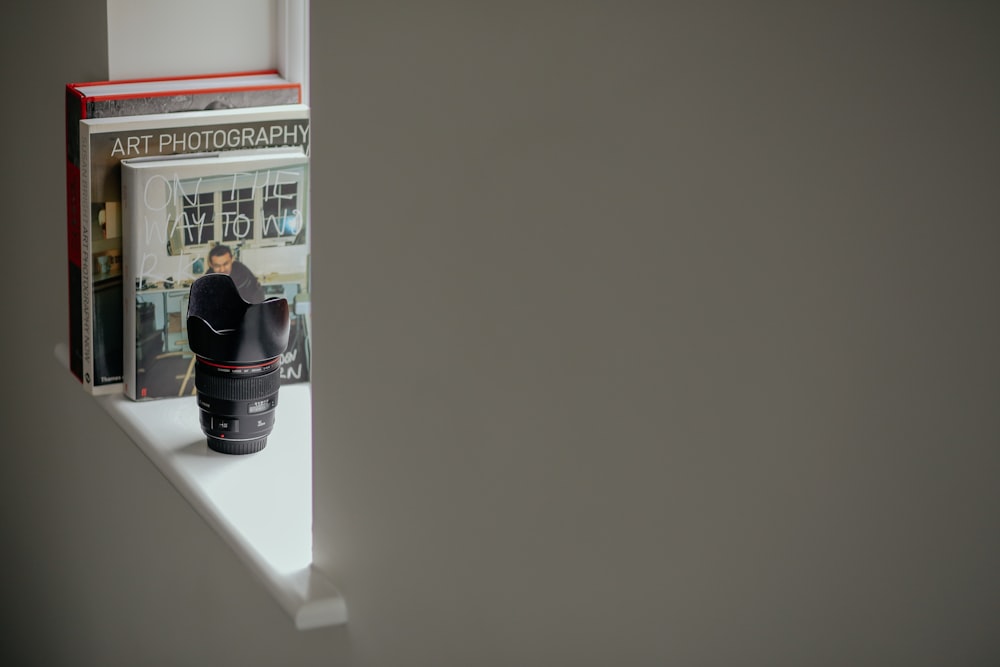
{"x": 86, "y": 261}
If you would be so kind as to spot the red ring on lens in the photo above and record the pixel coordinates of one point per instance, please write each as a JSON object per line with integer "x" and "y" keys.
{"x": 215, "y": 365}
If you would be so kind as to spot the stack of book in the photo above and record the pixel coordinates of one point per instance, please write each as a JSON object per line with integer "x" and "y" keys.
{"x": 168, "y": 179}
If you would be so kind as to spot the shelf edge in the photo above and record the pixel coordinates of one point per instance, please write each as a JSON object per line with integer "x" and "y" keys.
{"x": 308, "y": 597}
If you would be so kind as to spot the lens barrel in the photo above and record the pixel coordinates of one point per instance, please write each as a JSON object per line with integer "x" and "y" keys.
{"x": 237, "y": 403}
{"x": 237, "y": 347}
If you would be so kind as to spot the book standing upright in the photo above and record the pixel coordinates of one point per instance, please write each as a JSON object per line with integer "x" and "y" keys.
{"x": 106, "y": 99}
{"x": 244, "y": 213}
{"x": 104, "y": 143}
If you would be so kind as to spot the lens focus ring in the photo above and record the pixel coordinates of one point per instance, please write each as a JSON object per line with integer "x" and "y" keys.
{"x": 238, "y": 388}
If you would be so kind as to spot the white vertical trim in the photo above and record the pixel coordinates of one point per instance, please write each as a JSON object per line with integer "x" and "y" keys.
{"x": 293, "y": 42}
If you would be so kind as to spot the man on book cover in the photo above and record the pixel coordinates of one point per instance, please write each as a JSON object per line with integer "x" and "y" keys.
{"x": 220, "y": 260}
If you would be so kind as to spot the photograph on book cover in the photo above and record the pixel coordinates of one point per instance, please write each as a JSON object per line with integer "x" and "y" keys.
{"x": 243, "y": 213}
{"x": 104, "y": 143}
{"x": 133, "y": 97}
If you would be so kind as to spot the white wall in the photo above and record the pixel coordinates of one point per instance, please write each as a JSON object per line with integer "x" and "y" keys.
{"x": 147, "y": 38}
{"x": 199, "y": 37}
{"x": 659, "y": 333}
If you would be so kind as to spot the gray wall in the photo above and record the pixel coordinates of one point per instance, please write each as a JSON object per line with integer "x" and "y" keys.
{"x": 659, "y": 333}
{"x": 654, "y": 334}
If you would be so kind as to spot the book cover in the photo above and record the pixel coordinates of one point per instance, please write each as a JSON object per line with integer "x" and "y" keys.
{"x": 242, "y": 212}
{"x": 104, "y": 143}
{"x": 106, "y": 99}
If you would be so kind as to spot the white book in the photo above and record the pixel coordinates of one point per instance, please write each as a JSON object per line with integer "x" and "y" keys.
{"x": 104, "y": 144}
{"x": 245, "y": 213}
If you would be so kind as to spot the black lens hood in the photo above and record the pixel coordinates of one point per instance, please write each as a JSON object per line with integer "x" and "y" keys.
{"x": 224, "y": 327}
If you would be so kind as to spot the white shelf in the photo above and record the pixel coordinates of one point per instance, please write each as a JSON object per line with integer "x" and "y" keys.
{"x": 261, "y": 504}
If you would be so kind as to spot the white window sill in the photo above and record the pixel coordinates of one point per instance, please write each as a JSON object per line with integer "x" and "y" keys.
{"x": 261, "y": 504}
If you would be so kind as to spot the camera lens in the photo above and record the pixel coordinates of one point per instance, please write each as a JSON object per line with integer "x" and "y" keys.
{"x": 238, "y": 347}
{"x": 237, "y": 403}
